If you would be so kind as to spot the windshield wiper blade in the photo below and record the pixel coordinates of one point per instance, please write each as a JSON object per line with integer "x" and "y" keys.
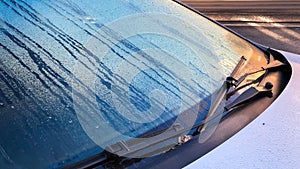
{"x": 253, "y": 91}
{"x": 214, "y": 112}
{"x": 272, "y": 65}
{"x": 217, "y": 110}
{"x": 150, "y": 146}
{"x": 249, "y": 94}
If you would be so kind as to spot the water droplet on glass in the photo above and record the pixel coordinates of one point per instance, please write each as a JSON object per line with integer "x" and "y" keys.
{"x": 1, "y": 104}
{"x": 97, "y": 127}
{"x": 50, "y": 117}
{"x": 12, "y": 107}
{"x": 70, "y": 121}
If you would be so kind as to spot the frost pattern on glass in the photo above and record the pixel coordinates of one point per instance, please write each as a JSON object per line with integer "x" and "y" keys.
{"x": 131, "y": 65}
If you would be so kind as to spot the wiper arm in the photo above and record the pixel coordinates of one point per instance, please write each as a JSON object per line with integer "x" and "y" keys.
{"x": 249, "y": 94}
{"x": 271, "y": 65}
{"x": 217, "y": 111}
{"x": 214, "y": 112}
{"x": 140, "y": 148}
{"x": 253, "y": 91}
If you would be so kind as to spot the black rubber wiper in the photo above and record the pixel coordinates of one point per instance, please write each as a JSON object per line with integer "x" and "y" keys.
{"x": 213, "y": 115}
{"x": 230, "y": 87}
{"x": 253, "y": 91}
{"x": 236, "y": 82}
{"x": 139, "y": 147}
{"x": 216, "y": 109}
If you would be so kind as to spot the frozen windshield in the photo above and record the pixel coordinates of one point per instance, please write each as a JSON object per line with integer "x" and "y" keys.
{"x": 77, "y": 76}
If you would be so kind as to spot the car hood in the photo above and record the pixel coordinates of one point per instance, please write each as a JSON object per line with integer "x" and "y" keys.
{"x": 271, "y": 140}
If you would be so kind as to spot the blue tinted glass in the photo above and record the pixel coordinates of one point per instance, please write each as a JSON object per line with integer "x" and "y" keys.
{"x": 77, "y": 76}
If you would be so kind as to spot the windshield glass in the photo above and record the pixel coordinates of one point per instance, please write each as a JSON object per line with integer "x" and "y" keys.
{"x": 77, "y": 76}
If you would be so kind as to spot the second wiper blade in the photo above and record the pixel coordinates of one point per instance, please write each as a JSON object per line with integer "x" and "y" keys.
{"x": 271, "y": 65}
